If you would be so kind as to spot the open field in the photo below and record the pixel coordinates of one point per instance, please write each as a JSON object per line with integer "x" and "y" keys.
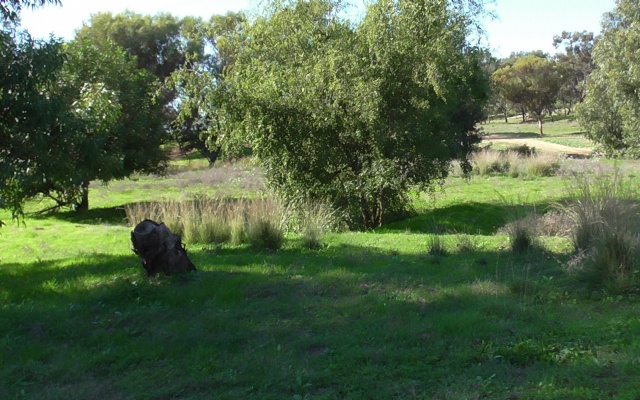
{"x": 372, "y": 315}
{"x": 564, "y": 131}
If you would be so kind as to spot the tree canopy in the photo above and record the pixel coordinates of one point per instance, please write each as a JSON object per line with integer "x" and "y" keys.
{"x": 575, "y": 63}
{"x": 69, "y": 114}
{"x": 609, "y": 112}
{"x": 531, "y": 81}
{"x": 360, "y": 115}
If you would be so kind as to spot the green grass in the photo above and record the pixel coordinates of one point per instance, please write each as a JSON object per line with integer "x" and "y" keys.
{"x": 370, "y": 315}
{"x": 564, "y": 131}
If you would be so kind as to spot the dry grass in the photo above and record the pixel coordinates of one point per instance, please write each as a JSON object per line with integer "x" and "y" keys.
{"x": 261, "y": 222}
{"x": 515, "y": 163}
{"x": 606, "y": 229}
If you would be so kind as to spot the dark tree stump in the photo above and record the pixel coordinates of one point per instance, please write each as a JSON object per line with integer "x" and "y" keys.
{"x": 159, "y": 249}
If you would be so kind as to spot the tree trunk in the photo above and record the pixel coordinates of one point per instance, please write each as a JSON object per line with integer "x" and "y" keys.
{"x": 540, "y": 124}
{"x": 506, "y": 118}
{"x": 84, "y": 202}
{"x": 524, "y": 116}
{"x": 159, "y": 249}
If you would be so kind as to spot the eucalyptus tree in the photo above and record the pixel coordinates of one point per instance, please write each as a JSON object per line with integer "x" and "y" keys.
{"x": 171, "y": 48}
{"x": 609, "y": 113}
{"x": 360, "y": 114}
{"x": 576, "y": 63}
{"x": 531, "y": 81}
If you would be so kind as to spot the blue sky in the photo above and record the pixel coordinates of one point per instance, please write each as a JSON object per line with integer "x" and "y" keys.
{"x": 522, "y": 25}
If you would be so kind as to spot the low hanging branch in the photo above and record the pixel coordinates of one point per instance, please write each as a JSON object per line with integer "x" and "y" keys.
{"x": 159, "y": 249}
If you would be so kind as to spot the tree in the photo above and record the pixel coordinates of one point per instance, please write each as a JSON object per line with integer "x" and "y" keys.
{"x": 163, "y": 45}
{"x": 120, "y": 132}
{"x": 29, "y": 71}
{"x": 95, "y": 120}
{"x": 361, "y": 114}
{"x": 202, "y": 112}
{"x": 531, "y": 81}
{"x": 576, "y": 64}
{"x": 609, "y": 113}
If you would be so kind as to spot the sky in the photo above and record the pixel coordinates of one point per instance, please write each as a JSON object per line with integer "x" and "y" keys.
{"x": 521, "y": 25}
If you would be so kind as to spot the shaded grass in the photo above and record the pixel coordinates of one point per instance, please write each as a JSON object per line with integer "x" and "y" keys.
{"x": 349, "y": 322}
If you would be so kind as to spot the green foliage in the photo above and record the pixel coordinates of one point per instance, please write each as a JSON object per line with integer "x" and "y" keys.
{"x": 185, "y": 58}
{"x": 363, "y": 114}
{"x": 203, "y": 116}
{"x": 96, "y": 121}
{"x": 155, "y": 43}
{"x": 532, "y": 82}
{"x": 609, "y": 113}
{"x": 32, "y": 150}
{"x": 575, "y": 64}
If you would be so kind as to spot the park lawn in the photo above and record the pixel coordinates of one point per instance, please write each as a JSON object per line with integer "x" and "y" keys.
{"x": 371, "y": 315}
{"x": 563, "y": 130}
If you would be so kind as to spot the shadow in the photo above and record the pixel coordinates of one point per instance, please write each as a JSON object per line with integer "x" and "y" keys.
{"x": 470, "y": 218}
{"x": 100, "y": 215}
{"x": 349, "y": 319}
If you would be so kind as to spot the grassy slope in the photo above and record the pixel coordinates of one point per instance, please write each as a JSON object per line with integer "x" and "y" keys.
{"x": 371, "y": 316}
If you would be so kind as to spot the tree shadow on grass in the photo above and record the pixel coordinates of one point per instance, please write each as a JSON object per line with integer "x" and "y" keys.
{"x": 94, "y": 216}
{"x": 348, "y": 319}
{"x": 472, "y": 218}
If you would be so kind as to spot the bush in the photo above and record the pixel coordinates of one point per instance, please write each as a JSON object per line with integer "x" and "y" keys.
{"x": 313, "y": 219}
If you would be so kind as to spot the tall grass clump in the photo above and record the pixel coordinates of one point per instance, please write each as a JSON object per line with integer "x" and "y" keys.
{"x": 521, "y": 228}
{"x": 522, "y": 162}
{"x": 313, "y": 219}
{"x": 606, "y": 229}
{"x": 436, "y": 246}
{"x": 266, "y": 223}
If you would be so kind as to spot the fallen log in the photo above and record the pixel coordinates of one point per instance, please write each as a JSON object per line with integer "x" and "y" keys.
{"x": 159, "y": 249}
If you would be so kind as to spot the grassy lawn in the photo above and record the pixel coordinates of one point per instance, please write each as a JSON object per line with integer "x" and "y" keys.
{"x": 564, "y": 130}
{"x": 373, "y": 315}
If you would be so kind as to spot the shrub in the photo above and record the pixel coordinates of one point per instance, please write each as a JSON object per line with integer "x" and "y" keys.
{"x": 466, "y": 243}
{"x": 313, "y": 219}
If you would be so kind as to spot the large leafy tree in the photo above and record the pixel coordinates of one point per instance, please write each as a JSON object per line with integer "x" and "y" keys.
{"x": 531, "y": 81}
{"x": 32, "y": 117}
{"x": 203, "y": 119}
{"x": 360, "y": 115}
{"x": 163, "y": 44}
{"x": 576, "y": 64}
{"x": 78, "y": 114}
{"x": 28, "y": 68}
{"x": 120, "y": 132}
{"x": 609, "y": 113}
